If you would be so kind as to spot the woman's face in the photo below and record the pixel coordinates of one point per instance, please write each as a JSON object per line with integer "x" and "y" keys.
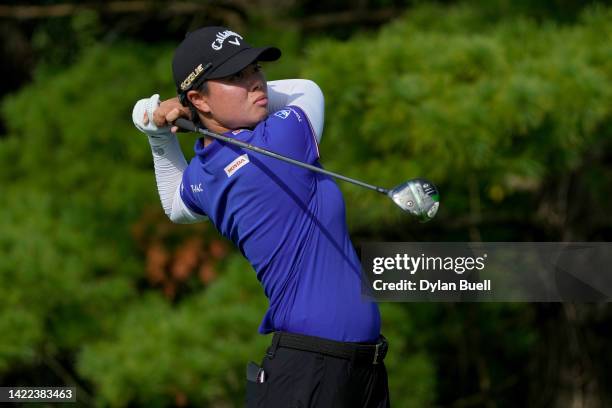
{"x": 237, "y": 101}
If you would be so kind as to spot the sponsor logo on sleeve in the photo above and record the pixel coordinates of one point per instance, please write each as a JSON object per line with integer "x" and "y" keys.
{"x": 233, "y": 167}
{"x": 283, "y": 114}
{"x": 299, "y": 118}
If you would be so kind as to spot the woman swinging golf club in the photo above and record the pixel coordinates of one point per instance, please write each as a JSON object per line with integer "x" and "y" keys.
{"x": 289, "y": 222}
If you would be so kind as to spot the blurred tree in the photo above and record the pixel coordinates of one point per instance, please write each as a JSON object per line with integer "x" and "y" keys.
{"x": 512, "y": 120}
{"x": 193, "y": 354}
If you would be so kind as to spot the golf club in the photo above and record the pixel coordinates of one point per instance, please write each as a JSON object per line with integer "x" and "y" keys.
{"x": 418, "y": 196}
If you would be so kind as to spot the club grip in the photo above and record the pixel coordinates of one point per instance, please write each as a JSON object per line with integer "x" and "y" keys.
{"x": 185, "y": 124}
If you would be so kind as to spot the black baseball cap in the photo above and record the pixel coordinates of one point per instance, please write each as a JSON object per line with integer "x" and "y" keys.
{"x": 214, "y": 52}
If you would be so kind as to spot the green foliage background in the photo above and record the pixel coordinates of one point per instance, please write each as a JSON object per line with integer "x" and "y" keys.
{"x": 511, "y": 118}
{"x": 508, "y": 107}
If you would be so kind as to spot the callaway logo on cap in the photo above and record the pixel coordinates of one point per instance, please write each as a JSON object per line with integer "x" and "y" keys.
{"x": 218, "y": 43}
{"x": 212, "y": 53}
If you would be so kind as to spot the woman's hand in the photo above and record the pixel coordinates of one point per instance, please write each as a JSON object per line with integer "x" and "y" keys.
{"x": 167, "y": 112}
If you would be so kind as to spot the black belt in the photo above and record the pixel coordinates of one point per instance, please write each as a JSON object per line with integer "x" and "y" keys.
{"x": 359, "y": 352}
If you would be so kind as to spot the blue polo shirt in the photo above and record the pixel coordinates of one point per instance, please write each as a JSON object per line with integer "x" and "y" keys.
{"x": 290, "y": 223}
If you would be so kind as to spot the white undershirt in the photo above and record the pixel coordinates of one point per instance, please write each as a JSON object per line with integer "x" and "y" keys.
{"x": 168, "y": 158}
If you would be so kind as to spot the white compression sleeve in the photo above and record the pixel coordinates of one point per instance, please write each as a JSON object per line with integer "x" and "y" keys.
{"x": 168, "y": 161}
{"x": 302, "y": 93}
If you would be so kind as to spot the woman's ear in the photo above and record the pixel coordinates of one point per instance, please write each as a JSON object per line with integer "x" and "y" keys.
{"x": 199, "y": 100}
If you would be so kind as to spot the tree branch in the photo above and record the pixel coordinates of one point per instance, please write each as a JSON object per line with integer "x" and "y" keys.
{"x": 112, "y": 7}
{"x": 358, "y": 16}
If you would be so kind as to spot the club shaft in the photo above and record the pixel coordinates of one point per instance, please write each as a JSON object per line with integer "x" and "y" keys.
{"x": 188, "y": 125}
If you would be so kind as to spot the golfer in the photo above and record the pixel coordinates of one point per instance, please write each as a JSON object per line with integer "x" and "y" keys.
{"x": 289, "y": 222}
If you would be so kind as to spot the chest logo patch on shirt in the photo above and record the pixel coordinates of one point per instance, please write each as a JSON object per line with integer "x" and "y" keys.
{"x": 239, "y": 162}
{"x": 282, "y": 113}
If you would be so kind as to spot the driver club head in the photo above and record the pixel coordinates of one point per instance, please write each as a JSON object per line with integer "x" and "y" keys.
{"x": 419, "y": 197}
